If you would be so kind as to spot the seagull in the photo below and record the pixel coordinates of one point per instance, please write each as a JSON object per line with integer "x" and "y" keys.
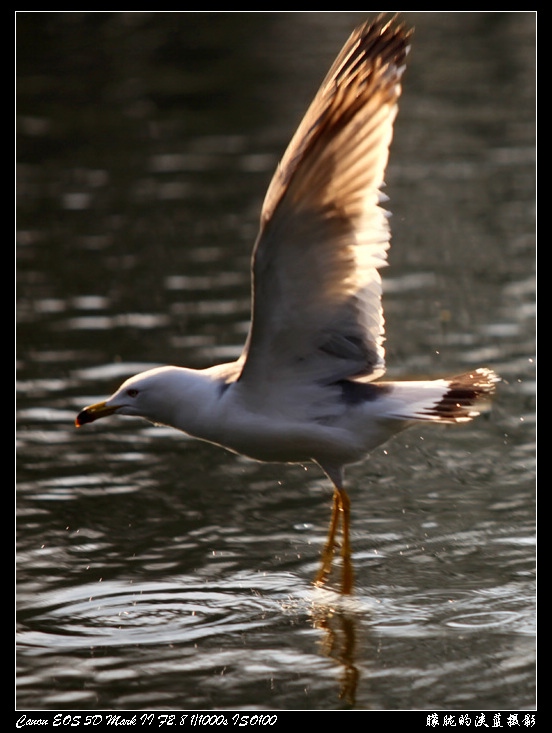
{"x": 307, "y": 386}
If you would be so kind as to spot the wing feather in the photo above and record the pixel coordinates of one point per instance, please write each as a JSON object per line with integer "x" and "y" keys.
{"x": 316, "y": 302}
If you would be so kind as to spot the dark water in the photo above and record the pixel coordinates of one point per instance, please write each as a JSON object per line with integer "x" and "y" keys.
{"x": 155, "y": 572}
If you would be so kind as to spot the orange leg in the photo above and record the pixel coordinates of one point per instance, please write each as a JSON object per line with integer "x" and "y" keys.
{"x": 329, "y": 547}
{"x": 347, "y": 570}
{"x": 340, "y": 511}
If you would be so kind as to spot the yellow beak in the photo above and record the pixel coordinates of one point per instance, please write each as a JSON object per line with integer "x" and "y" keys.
{"x": 94, "y": 412}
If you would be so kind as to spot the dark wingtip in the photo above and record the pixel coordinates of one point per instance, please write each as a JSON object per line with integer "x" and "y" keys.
{"x": 468, "y": 395}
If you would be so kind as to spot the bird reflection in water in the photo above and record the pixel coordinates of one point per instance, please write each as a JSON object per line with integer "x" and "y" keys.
{"x": 339, "y": 643}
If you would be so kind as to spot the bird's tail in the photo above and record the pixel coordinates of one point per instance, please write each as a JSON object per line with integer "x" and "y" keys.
{"x": 454, "y": 400}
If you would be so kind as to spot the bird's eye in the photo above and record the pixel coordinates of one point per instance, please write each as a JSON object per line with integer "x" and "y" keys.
{"x": 132, "y": 392}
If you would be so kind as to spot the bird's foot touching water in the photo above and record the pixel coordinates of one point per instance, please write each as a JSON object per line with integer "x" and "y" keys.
{"x": 340, "y": 515}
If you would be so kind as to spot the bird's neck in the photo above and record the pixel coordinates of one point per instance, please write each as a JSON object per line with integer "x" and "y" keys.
{"x": 196, "y": 406}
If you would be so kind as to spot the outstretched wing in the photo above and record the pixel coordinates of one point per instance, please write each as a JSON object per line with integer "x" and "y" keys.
{"x": 316, "y": 310}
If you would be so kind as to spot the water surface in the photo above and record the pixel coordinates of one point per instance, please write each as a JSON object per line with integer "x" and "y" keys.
{"x": 155, "y": 572}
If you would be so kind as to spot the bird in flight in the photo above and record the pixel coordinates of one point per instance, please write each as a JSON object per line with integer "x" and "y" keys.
{"x": 307, "y": 386}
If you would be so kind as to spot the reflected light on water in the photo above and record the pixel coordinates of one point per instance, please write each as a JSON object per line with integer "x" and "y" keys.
{"x": 157, "y": 572}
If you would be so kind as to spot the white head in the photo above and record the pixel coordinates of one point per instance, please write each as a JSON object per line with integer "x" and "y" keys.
{"x": 166, "y": 395}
